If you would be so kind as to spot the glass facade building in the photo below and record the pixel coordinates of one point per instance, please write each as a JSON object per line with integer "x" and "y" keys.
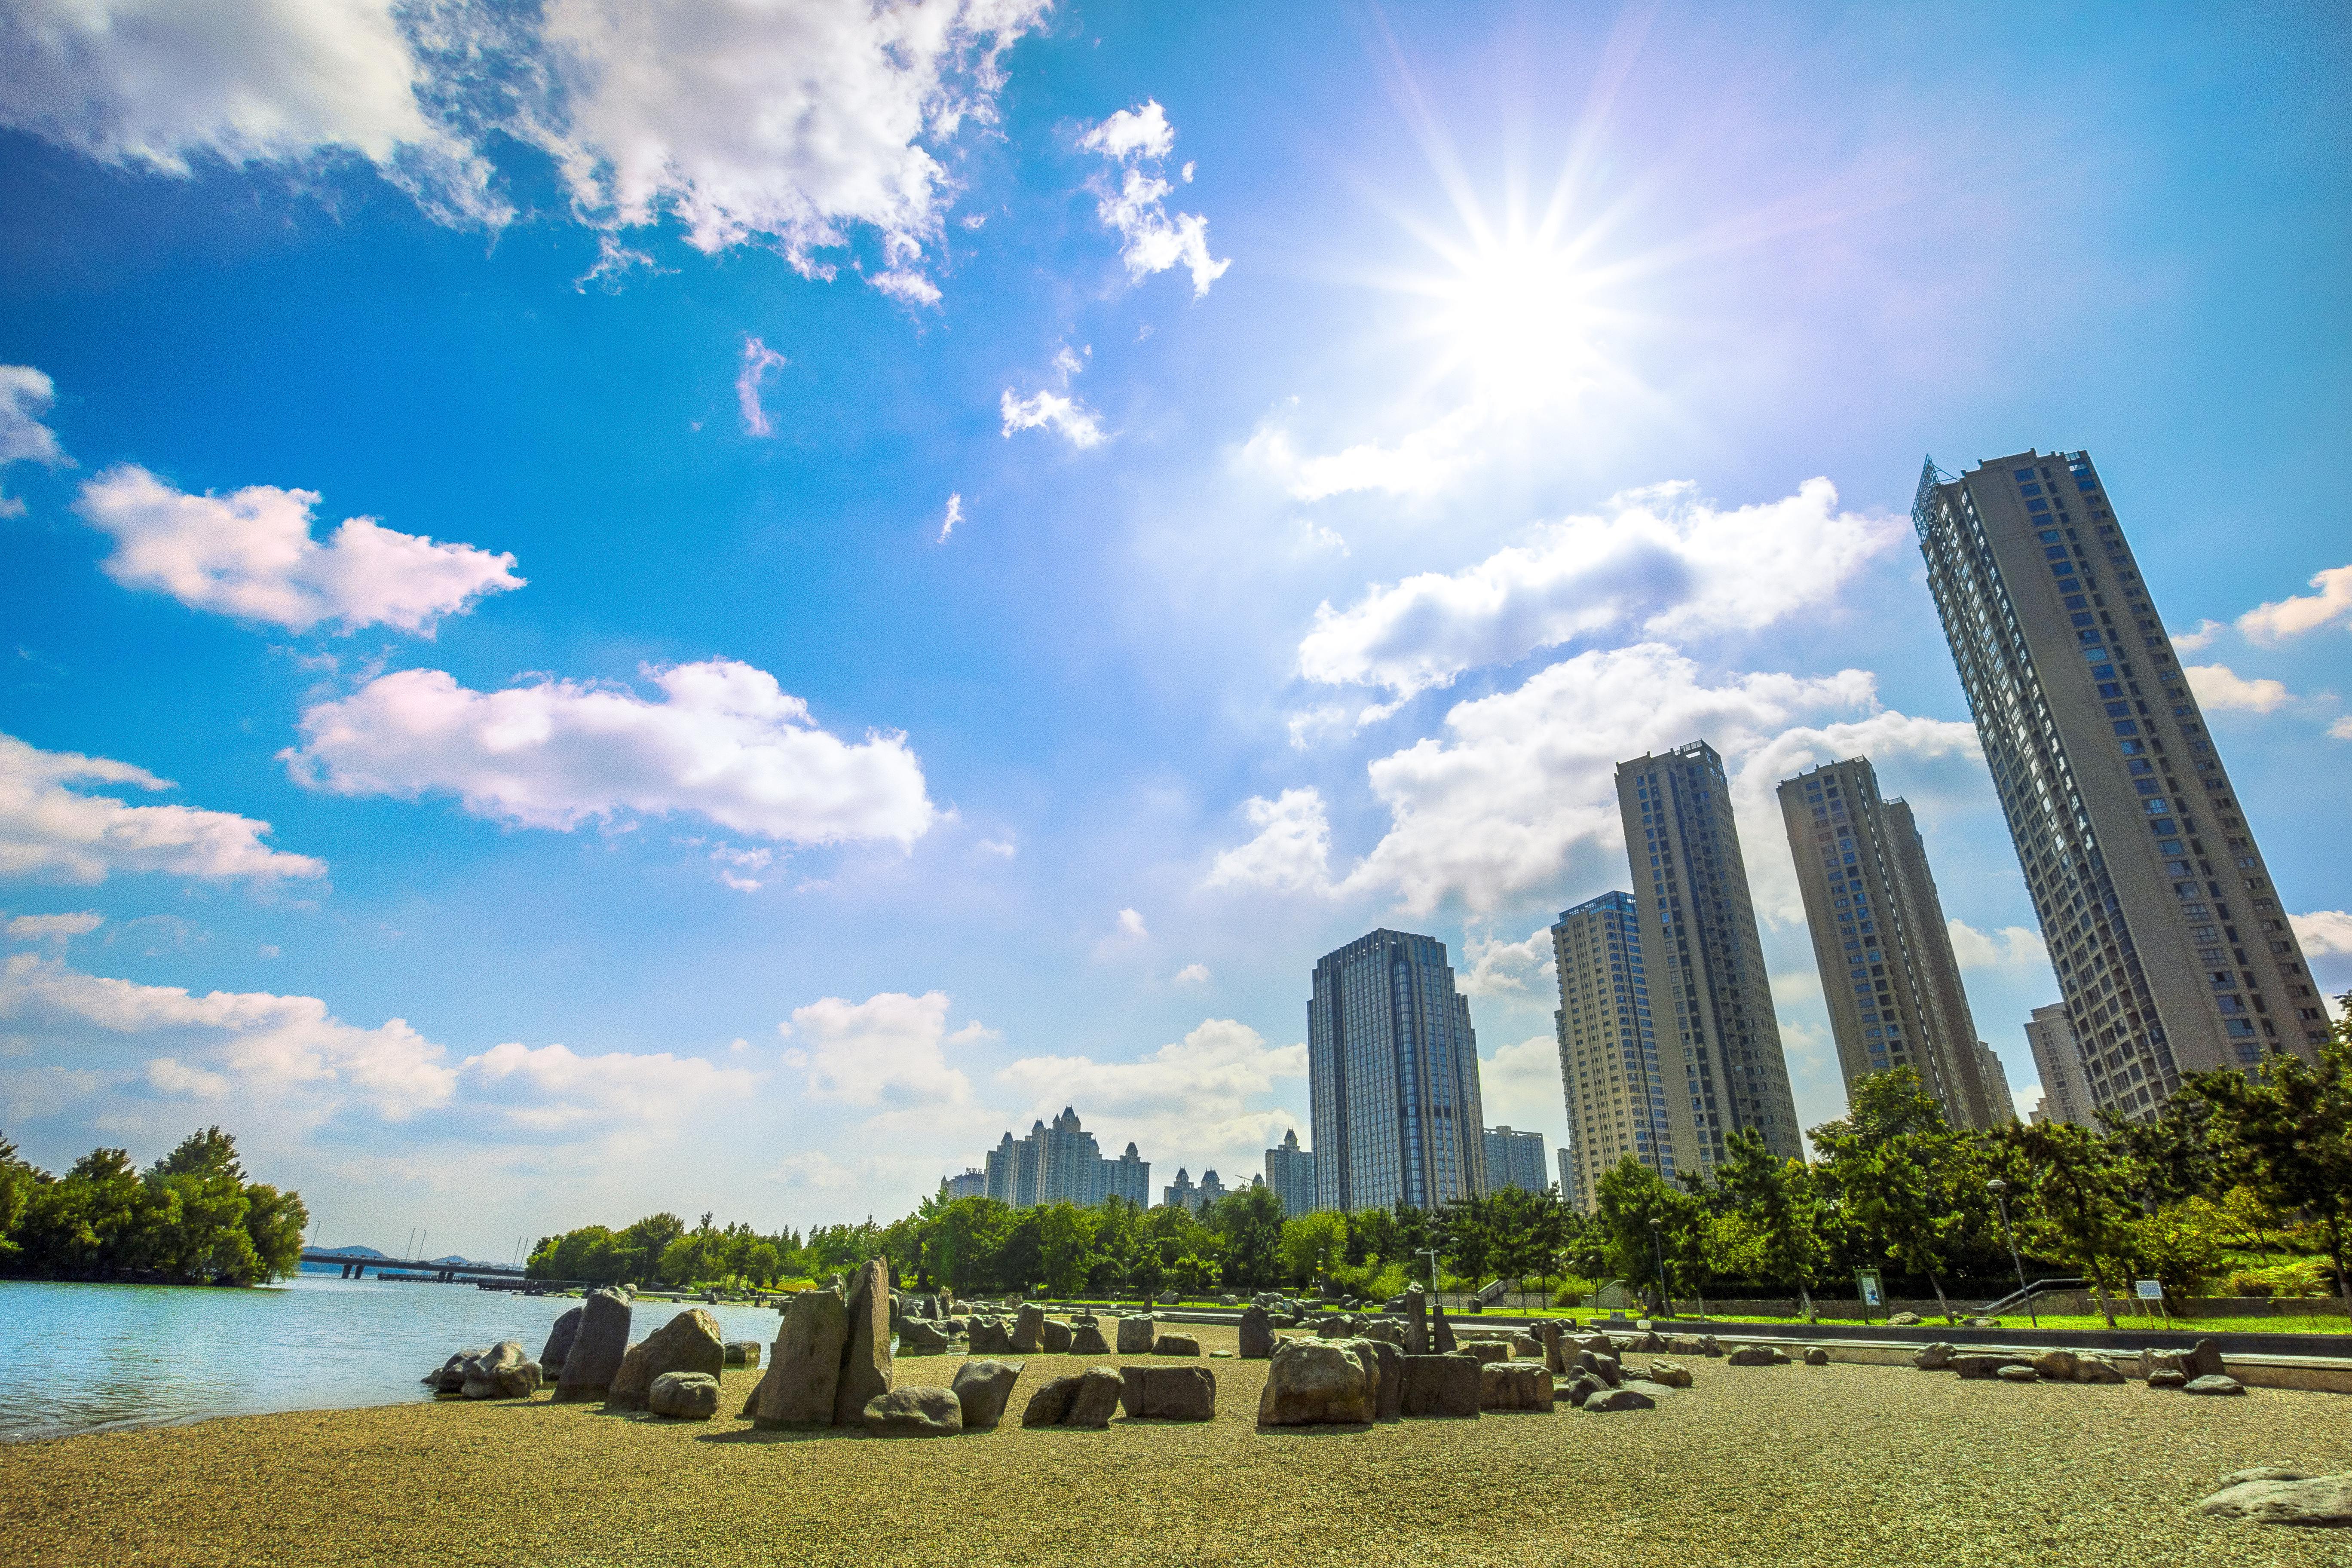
{"x": 1617, "y": 1099}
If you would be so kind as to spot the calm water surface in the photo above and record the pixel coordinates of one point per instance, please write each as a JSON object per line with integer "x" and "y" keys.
{"x": 91, "y": 1358}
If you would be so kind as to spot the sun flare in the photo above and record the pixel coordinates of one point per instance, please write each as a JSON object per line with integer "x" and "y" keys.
{"x": 1520, "y": 319}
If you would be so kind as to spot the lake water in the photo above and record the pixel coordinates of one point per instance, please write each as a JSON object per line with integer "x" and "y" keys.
{"x": 91, "y": 1358}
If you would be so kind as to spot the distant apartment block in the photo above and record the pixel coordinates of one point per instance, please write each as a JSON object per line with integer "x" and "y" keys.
{"x": 972, "y": 1183}
{"x": 1617, "y": 1096}
{"x": 1996, "y": 1084}
{"x": 1290, "y": 1171}
{"x": 2171, "y": 950}
{"x": 1062, "y": 1163}
{"x": 1888, "y": 973}
{"x": 2065, "y": 1096}
{"x": 1392, "y": 1077}
{"x": 1181, "y": 1193}
{"x": 1515, "y": 1159}
{"x": 1718, "y": 1038}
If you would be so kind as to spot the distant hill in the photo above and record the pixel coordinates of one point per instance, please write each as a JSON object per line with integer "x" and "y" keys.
{"x": 353, "y": 1251}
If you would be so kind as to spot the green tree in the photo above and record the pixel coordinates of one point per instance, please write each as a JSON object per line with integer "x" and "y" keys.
{"x": 965, "y": 1243}
{"x": 17, "y": 1182}
{"x": 2289, "y": 1129}
{"x": 1776, "y": 1200}
{"x": 274, "y": 1222}
{"x": 1066, "y": 1241}
{"x": 1634, "y": 1210}
{"x": 2083, "y": 1189}
{"x": 1308, "y": 1240}
{"x": 1249, "y": 1224}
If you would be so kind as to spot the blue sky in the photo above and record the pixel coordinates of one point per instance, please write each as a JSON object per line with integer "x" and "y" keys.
{"x": 1362, "y": 427}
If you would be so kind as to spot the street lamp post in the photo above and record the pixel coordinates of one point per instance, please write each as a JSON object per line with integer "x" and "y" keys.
{"x": 1658, "y": 1247}
{"x": 1999, "y": 1189}
{"x": 1431, "y": 1253}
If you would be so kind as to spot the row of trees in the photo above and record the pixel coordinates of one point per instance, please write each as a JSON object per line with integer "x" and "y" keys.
{"x": 190, "y": 1218}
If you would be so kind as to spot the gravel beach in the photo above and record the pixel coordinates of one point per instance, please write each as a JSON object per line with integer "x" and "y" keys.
{"x": 1842, "y": 1464}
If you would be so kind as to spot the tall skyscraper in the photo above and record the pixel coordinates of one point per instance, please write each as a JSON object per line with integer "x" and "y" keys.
{"x": 1515, "y": 1159}
{"x": 1995, "y": 1078}
{"x": 2172, "y": 951}
{"x": 1392, "y": 1077}
{"x": 1617, "y": 1098}
{"x": 1888, "y": 972}
{"x": 1181, "y": 1193}
{"x": 1698, "y": 932}
{"x": 1063, "y": 1164}
{"x": 2065, "y": 1096}
{"x": 972, "y": 1183}
{"x": 1290, "y": 1171}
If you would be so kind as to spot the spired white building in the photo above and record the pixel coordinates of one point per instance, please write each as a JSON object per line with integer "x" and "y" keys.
{"x": 1290, "y": 1171}
{"x": 1063, "y": 1164}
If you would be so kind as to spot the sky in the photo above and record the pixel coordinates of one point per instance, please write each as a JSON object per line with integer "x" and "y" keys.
{"x": 621, "y": 606}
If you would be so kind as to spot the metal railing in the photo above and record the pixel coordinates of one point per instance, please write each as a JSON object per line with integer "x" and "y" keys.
{"x": 2018, "y": 1298}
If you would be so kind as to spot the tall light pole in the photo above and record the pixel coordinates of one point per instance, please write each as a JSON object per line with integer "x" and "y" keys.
{"x": 1999, "y": 1189}
{"x": 1658, "y": 1247}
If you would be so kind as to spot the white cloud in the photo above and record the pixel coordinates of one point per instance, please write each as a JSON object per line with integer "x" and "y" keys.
{"x": 724, "y": 742}
{"x": 1499, "y": 967}
{"x": 2201, "y": 639}
{"x": 52, "y": 832}
{"x": 2324, "y": 930}
{"x": 1131, "y": 926}
{"x": 757, "y": 364}
{"x": 2294, "y": 616}
{"x": 166, "y": 85}
{"x": 1065, "y": 416}
{"x": 2219, "y": 686}
{"x": 1192, "y": 975}
{"x": 1663, "y": 563}
{"x": 25, "y": 395}
{"x": 1005, "y": 847}
{"x": 954, "y": 515}
{"x": 54, "y": 928}
{"x": 2012, "y": 947}
{"x": 250, "y": 554}
{"x": 1418, "y": 464}
{"x": 815, "y": 1169}
{"x": 883, "y": 1052}
{"x": 1150, "y": 240}
{"x": 1188, "y": 1103}
{"x": 1291, "y": 852}
{"x": 1519, "y": 1087}
{"x": 2341, "y": 729}
{"x": 554, "y": 1091}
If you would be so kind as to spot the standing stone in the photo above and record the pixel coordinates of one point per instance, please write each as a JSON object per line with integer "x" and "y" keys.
{"x": 922, "y": 1336}
{"x": 866, "y": 1366}
{"x": 1168, "y": 1392}
{"x": 1087, "y": 1339}
{"x": 2203, "y": 1361}
{"x": 1313, "y": 1383}
{"x": 1508, "y": 1386}
{"x": 1554, "y": 1361}
{"x": 1441, "y": 1332}
{"x": 1416, "y": 1322}
{"x": 1936, "y": 1357}
{"x": 688, "y": 1343}
{"x": 558, "y": 1342}
{"x": 596, "y": 1350}
{"x": 1050, "y": 1403}
{"x": 990, "y": 1335}
{"x": 1257, "y": 1335}
{"x": 805, "y": 1374}
{"x": 1029, "y": 1330}
{"x": 982, "y": 1387}
{"x": 1095, "y": 1399}
{"x": 1176, "y": 1344}
{"x": 684, "y": 1396}
{"x": 913, "y": 1412}
{"x": 1389, "y": 1401}
{"x": 1440, "y": 1385}
{"x": 1135, "y": 1335}
{"x": 1055, "y": 1336}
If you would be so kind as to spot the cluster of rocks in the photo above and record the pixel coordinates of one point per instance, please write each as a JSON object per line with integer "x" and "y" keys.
{"x": 832, "y": 1355}
{"x": 498, "y": 1371}
{"x": 1913, "y": 1320}
{"x": 2196, "y": 1370}
{"x": 1027, "y": 1330}
{"x": 1328, "y": 1382}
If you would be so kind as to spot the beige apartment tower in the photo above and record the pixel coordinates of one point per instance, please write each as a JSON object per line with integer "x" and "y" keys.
{"x": 1718, "y": 1038}
{"x": 1888, "y": 973}
{"x": 2065, "y": 1096}
{"x": 2171, "y": 950}
{"x": 1608, "y": 1051}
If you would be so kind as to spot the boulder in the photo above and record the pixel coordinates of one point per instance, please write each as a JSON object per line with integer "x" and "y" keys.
{"x": 2019, "y": 1375}
{"x": 1779, "y": 1357}
{"x": 2273, "y": 1496}
{"x": 1936, "y": 1357}
{"x": 1054, "y": 1336}
{"x": 1604, "y": 1369}
{"x": 1580, "y": 1387}
{"x": 1168, "y": 1392}
{"x": 919, "y": 1336}
{"x": 1257, "y": 1334}
{"x": 1685, "y": 1344}
{"x": 450, "y": 1375}
{"x": 688, "y": 1343}
{"x": 1312, "y": 1383}
{"x": 1442, "y": 1386}
{"x": 1816, "y": 1355}
{"x": 2213, "y": 1382}
{"x": 499, "y": 1372}
{"x": 1904, "y": 1321}
{"x": 1385, "y": 1330}
{"x": 2203, "y": 1360}
{"x": 1388, "y": 1400}
{"x": 1511, "y": 1385}
{"x": 805, "y": 1375}
{"x": 2057, "y": 1366}
{"x": 1087, "y": 1339}
{"x": 1751, "y": 1355}
{"x": 1416, "y": 1322}
{"x": 990, "y": 1335}
{"x": 1650, "y": 1341}
{"x": 1029, "y": 1330}
{"x": 1554, "y": 1361}
{"x": 1527, "y": 1345}
{"x": 1620, "y": 1399}
{"x": 1485, "y": 1351}
{"x": 1135, "y": 1335}
{"x": 684, "y": 1395}
{"x": 2166, "y": 1378}
{"x": 2097, "y": 1368}
{"x": 913, "y": 1412}
{"x": 983, "y": 1388}
{"x": 1981, "y": 1364}
{"x": 743, "y": 1353}
{"x": 1050, "y": 1403}
{"x": 595, "y": 1353}
{"x": 1096, "y": 1400}
{"x": 1441, "y": 1332}
{"x": 1673, "y": 1375}
{"x": 1981, "y": 1322}
{"x": 559, "y": 1342}
{"x": 1176, "y": 1344}
{"x": 1709, "y": 1345}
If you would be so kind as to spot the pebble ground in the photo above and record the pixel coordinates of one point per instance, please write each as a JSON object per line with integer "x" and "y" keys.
{"x": 1875, "y": 1467}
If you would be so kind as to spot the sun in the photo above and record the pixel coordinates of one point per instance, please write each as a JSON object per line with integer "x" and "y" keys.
{"x": 1519, "y": 317}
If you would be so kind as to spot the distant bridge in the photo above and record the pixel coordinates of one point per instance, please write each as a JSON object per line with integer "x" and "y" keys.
{"x": 504, "y": 1275}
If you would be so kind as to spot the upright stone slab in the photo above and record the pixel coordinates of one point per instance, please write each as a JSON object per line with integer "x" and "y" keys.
{"x": 1441, "y": 1332}
{"x": 1136, "y": 1336}
{"x": 688, "y": 1343}
{"x": 1050, "y": 1403}
{"x": 1416, "y": 1322}
{"x": 1316, "y": 1383}
{"x": 1168, "y": 1392}
{"x": 1054, "y": 1336}
{"x": 1087, "y": 1339}
{"x": 1554, "y": 1361}
{"x": 1029, "y": 1330}
{"x": 865, "y": 1364}
{"x": 1514, "y": 1386}
{"x": 804, "y": 1378}
{"x": 1389, "y": 1401}
{"x": 982, "y": 1387}
{"x": 1257, "y": 1334}
{"x": 558, "y": 1342}
{"x": 1440, "y": 1385}
{"x": 596, "y": 1351}
{"x": 1096, "y": 1400}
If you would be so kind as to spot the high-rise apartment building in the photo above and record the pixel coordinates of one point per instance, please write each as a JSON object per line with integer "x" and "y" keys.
{"x": 1063, "y": 1164}
{"x": 1290, "y": 1171}
{"x": 1888, "y": 972}
{"x": 1392, "y": 1077}
{"x": 2171, "y": 950}
{"x": 2065, "y": 1096}
{"x": 1721, "y": 1054}
{"x": 1515, "y": 1159}
{"x": 1995, "y": 1078}
{"x": 1211, "y": 1189}
{"x": 972, "y": 1183}
{"x": 1181, "y": 1193}
{"x": 1617, "y": 1098}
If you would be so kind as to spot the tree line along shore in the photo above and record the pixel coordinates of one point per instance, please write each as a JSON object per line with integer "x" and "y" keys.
{"x": 190, "y": 1218}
